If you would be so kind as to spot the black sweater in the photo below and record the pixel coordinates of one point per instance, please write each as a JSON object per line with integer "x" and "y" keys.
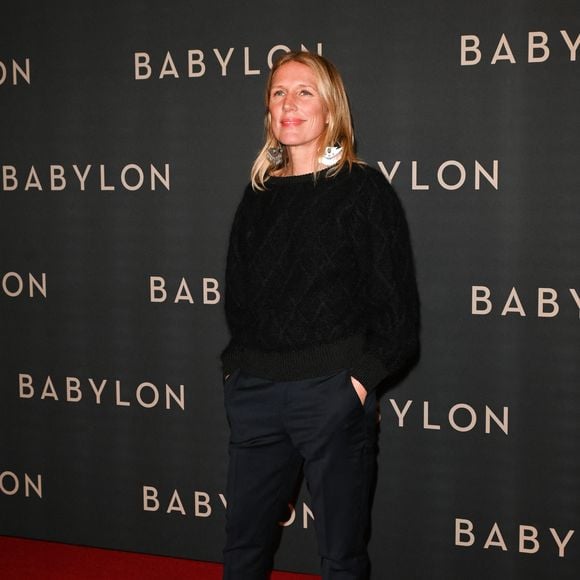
{"x": 320, "y": 277}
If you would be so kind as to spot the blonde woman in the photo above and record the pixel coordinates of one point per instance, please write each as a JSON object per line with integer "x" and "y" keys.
{"x": 322, "y": 306}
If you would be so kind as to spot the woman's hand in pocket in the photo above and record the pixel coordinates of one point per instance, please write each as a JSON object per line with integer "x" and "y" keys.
{"x": 360, "y": 390}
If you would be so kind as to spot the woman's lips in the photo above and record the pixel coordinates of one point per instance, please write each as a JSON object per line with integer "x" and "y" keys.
{"x": 291, "y": 122}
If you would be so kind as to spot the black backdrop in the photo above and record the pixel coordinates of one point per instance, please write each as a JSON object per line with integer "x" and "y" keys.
{"x": 112, "y": 425}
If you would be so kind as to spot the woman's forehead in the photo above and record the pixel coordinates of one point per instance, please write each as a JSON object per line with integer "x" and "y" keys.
{"x": 295, "y": 73}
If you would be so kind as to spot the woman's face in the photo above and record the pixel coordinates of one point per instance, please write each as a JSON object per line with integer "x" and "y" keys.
{"x": 298, "y": 114}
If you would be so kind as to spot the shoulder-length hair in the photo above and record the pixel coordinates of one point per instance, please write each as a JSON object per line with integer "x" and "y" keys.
{"x": 339, "y": 130}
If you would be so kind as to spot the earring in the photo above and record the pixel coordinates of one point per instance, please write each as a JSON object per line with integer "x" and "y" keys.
{"x": 331, "y": 156}
{"x": 275, "y": 155}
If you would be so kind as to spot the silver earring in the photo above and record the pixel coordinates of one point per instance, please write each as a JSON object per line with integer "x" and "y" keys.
{"x": 275, "y": 155}
{"x": 331, "y": 156}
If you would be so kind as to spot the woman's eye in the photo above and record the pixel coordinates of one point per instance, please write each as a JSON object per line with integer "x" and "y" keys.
{"x": 278, "y": 93}
{"x": 305, "y": 92}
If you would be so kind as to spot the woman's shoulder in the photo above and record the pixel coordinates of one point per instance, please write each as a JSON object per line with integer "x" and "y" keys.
{"x": 370, "y": 181}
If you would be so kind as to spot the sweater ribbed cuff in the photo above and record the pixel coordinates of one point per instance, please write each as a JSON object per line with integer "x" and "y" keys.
{"x": 370, "y": 371}
{"x": 231, "y": 360}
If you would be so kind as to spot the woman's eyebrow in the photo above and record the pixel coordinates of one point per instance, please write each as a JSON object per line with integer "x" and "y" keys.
{"x": 301, "y": 85}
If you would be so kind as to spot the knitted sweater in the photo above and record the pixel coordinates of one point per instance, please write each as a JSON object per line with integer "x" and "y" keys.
{"x": 320, "y": 277}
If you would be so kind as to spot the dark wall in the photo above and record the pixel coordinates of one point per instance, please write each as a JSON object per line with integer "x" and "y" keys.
{"x": 112, "y": 429}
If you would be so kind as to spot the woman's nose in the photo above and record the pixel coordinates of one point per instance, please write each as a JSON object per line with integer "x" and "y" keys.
{"x": 289, "y": 103}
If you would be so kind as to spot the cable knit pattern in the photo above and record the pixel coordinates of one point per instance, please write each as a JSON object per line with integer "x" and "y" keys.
{"x": 320, "y": 277}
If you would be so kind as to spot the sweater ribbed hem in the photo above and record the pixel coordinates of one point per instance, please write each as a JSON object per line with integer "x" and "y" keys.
{"x": 309, "y": 362}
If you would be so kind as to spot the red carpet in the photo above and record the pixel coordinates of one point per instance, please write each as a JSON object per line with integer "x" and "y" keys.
{"x": 36, "y": 560}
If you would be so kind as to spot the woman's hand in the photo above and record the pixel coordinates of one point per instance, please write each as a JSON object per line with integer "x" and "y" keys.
{"x": 360, "y": 390}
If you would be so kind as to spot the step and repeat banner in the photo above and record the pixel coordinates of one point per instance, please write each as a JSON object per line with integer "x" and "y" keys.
{"x": 127, "y": 130}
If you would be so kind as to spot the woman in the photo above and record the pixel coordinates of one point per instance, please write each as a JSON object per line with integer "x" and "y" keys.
{"x": 322, "y": 306}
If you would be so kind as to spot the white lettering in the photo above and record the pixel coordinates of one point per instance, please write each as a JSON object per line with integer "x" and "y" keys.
{"x": 528, "y": 535}
{"x": 551, "y": 301}
{"x": 495, "y": 539}
{"x": 400, "y": 414}
{"x": 140, "y": 177}
{"x": 464, "y": 528}
{"x": 18, "y": 288}
{"x": 19, "y": 284}
{"x": 73, "y": 385}
{"x": 142, "y": 67}
{"x": 493, "y": 180}
{"x": 572, "y": 46}
{"x": 513, "y": 297}
{"x": 175, "y": 504}
{"x": 118, "y": 400}
{"x": 153, "y": 389}
{"x": 502, "y": 424}
{"x": 414, "y": 184}
{"x": 157, "y": 176}
{"x": 471, "y": 412}
{"x": 97, "y": 390}
{"x": 30, "y": 484}
{"x": 561, "y": 543}
{"x": 274, "y": 50}
{"x": 57, "y": 175}
{"x": 462, "y": 175}
{"x": 223, "y": 61}
{"x": 538, "y": 41}
{"x": 195, "y": 62}
{"x": 9, "y": 483}
{"x": 17, "y": 71}
{"x": 49, "y": 391}
{"x": 168, "y": 67}
{"x": 150, "y": 501}
{"x": 306, "y": 515}
{"x": 386, "y": 173}
{"x": 32, "y": 181}
{"x": 157, "y": 292}
{"x": 210, "y": 288}
{"x": 9, "y": 181}
{"x": 104, "y": 186}
{"x": 183, "y": 292}
{"x": 171, "y": 394}
{"x": 504, "y": 45}
{"x": 426, "y": 424}
{"x": 25, "y": 388}
{"x": 576, "y": 299}
{"x": 202, "y": 507}
{"x": 82, "y": 176}
{"x": 247, "y": 70}
{"x": 470, "y": 44}
{"x": 291, "y": 518}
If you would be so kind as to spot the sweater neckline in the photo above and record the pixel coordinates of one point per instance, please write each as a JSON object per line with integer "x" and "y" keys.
{"x": 302, "y": 178}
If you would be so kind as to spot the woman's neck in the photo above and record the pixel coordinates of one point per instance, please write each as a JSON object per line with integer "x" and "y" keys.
{"x": 302, "y": 160}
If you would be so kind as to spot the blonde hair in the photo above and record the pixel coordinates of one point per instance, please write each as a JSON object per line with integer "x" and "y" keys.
{"x": 339, "y": 130}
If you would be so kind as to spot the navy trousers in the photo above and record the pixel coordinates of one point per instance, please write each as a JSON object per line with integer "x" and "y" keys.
{"x": 278, "y": 428}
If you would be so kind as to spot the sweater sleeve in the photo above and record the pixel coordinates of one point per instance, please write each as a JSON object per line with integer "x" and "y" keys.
{"x": 235, "y": 294}
{"x": 390, "y": 291}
